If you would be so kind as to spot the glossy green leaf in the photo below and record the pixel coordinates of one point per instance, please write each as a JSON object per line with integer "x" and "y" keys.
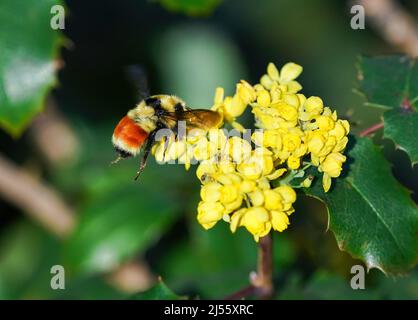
{"x": 159, "y": 292}
{"x": 391, "y": 83}
{"x": 387, "y": 81}
{"x": 191, "y": 7}
{"x": 402, "y": 127}
{"x": 28, "y": 48}
{"x": 372, "y": 216}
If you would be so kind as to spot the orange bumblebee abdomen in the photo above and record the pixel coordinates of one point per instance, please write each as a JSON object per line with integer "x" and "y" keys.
{"x": 128, "y": 137}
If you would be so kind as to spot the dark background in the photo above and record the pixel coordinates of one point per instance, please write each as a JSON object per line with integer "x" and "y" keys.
{"x": 189, "y": 57}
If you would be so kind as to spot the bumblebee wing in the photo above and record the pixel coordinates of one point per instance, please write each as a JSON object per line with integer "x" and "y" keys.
{"x": 197, "y": 118}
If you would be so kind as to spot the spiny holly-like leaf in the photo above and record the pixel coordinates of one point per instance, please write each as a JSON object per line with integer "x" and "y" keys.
{"x": 159, "y": 292}
{"x": 371, "y": 214}
{"x": 392, "y": 83}
{"x": 387, "y": 82}
{"x": 401, "y": 126}
{"x": 28, "y": 47}
{"x": 191, "y": 7}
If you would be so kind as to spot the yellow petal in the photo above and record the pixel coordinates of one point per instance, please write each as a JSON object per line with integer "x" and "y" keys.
{"x": 272, "y": 71}
{"x": 279, "y": 220}
{"x": 276, "y": 174}
{"x": 290, "y": 71}
{"x": 287, "y": 193}
{"x": 326, "y": 182}
{"x": 219, "y": 96}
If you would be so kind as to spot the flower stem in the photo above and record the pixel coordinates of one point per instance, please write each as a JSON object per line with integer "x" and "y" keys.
{"x": 263, "y": 280}
{"x": 371, "y": 129}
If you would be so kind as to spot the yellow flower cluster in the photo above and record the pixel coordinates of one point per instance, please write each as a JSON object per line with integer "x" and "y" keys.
{"x": 252, "y": 186}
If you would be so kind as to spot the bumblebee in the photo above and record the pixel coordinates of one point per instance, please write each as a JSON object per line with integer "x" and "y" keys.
{"x": 136, "y": 131}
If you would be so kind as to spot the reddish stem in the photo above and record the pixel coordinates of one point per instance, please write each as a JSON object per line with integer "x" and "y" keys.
{"x": 371, "y": 129}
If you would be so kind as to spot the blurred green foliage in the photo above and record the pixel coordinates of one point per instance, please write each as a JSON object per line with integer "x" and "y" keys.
{"x": 27, "y": 69}
{"x": 191, "y": 7}
{"x": 154, "y": 219}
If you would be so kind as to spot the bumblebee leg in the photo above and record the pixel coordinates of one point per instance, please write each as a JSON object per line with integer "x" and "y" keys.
{"x": 147, "y": 150}
{"x": 166, "y": 143}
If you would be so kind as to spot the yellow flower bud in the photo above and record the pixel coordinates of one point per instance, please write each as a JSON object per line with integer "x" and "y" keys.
{"x": 247, "y": 186}
{"x": 256, "y": 220}
{"x": 234, "y": 205}
{"x": 250, "y": 170}
{"x": 226, "y": 167}
{"x": 246, "y": 92}
{"x": 307, "y": 182}
{"x": 332, "y": 165}
{"x": 272, "y": 200}
{"x": 208, "y": 213}
{"x": 256, "y": 198}
{"x": 239, "y": 149}
{"x": 205, "y": 168}
{"x": 286, "y": 111}
{"x": 263, "y": 98}
{"x": 287, "y": 193}
{"x": 211, "y": 192}
{"x": 275, "y": 93}
{"x": 218, "y": 137}
{"x": 228, "y": 193}
{"x": 339, "y": 130}
{"x": 325, "y": 123}
{"x": 279, "y": 220}
{"x": 316, "y": 143}
{"x": 291, "y": 99}
{"x": 313, "y": 106}
{"x": 291, "y": 142}
{"x": 204, "y": 149}
{"x": 293, "y": 162}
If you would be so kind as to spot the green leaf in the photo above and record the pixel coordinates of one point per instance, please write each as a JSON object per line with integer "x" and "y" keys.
{"x": 210, "y": 58}
{"x": 21, "y": 248}
{"x": 402, "y": 128}
{"x": 28, "y": 47}
{"x": 387, "y": 81}
{"x": 119, "y": 224}
{"x": 371, "y": 214}
{"x": 159, "y": 292}
{"x": 191, "y": 7}
{"x": 392, "y": 83}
